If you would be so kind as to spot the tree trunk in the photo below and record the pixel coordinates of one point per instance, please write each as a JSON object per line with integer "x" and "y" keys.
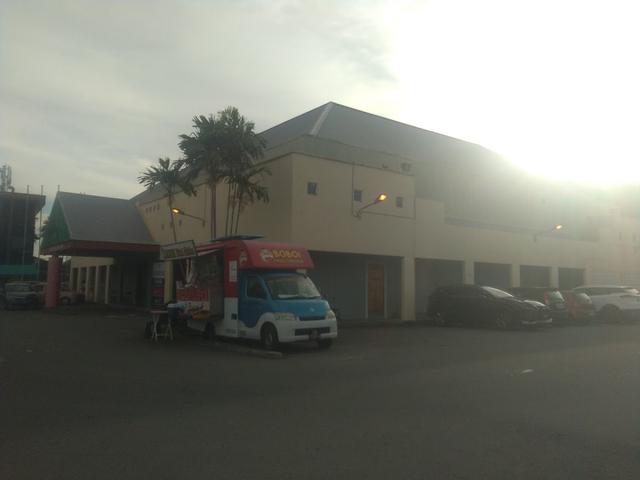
{"x": 226, "y": 218}
{"x": 213, "y": 231}
{"x": 239, "y": 198}
{"x": 234, "y": 201}
{"x": 171, "y": 219}
{"x": 173, "y": 229}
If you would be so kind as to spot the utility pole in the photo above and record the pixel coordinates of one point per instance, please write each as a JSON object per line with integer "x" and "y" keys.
{"x": 40, "y": 233}
{"x": 24, "y": 232}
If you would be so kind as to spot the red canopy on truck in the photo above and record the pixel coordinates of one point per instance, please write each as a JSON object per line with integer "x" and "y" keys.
{"x": 255, "y": 254}
{"x": 264, "y": 255}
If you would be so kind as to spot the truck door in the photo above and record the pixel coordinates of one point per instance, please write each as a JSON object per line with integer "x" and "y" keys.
{"x": 253, "y": 301}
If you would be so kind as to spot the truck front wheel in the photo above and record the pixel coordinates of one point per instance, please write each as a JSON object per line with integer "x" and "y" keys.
{"x": 269, "y": 337}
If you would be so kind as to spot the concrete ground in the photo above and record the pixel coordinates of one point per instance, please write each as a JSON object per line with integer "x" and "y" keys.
{"x": 83, "y": 395}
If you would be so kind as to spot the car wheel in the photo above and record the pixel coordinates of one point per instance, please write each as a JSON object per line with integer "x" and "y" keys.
{"x": 611, "y": 314}
{"x": 503, "y": 320}
{"x": 210, "y": 332}
{"x": 148, "y": 330}
{"x": 324, "y": 344}
{"x": 32, "y": 302}
{"x": 439, "y": 319}
{"x": 269, "y": 337}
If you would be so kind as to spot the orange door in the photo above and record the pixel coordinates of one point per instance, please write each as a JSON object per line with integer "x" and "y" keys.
{"x": 375, "y": 290}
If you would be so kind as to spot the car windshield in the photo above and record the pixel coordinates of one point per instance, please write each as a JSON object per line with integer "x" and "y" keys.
{"x": 293, "y": 286}
{"x": 494, "y": 292}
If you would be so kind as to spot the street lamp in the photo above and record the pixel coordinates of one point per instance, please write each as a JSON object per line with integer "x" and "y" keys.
{"x": 555, "y": 228}
{"x": 177, "y": 211}
{"x": 380, "y": 198}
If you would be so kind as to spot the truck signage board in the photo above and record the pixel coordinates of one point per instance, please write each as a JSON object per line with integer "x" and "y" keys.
{"x": 266, "y": 255}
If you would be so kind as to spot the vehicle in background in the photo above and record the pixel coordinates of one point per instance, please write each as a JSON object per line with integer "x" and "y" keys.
{"x": 484, "y": 306}
{"x": 580, "y": 306}
{"x": 69, "y": 297}
{"x": 613, "y": 303}
{"x": 549, "y": 296}
{"x": 23, "y": 294}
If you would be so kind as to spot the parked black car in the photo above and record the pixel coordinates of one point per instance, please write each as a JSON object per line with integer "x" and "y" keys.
{"x": 484, "y": 306}
{"x": 552, "y": 297}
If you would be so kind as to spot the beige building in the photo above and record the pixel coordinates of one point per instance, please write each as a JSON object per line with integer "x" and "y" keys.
{"x": 455, "y": 213}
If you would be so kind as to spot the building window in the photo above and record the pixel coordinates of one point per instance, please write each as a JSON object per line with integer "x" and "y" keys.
{"x": 399, "y": 202}
{"x": 357, "y": 195}
{"x": 180, "y": 222}
{"x": 312, "y": 188}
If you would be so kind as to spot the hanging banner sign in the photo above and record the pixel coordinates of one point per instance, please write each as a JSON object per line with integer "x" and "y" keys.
{"x": 177, "y": 251}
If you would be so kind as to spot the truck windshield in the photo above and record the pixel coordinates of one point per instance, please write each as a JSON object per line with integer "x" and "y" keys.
{"x": 293, "y": 286}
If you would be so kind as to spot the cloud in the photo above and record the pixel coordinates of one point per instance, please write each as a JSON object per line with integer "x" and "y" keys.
{"x": 93, "y": 91}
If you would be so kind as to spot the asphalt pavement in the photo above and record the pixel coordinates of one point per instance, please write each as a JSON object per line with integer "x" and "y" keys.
{"x": 84, "y": 396}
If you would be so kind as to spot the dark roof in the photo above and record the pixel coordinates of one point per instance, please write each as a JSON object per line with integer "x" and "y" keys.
{"x": 35, "y": 201}
{"x": 350, "y": 126}
{"x": 102, "y": 219}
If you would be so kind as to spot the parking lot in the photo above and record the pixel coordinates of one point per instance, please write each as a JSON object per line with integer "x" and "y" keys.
{"x": 83, "y": 395}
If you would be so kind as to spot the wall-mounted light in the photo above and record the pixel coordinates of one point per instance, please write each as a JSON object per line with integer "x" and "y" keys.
{"x": 555, "y": 228}
{"x": 177, "y": 211}
{"x": 380, "y": 198}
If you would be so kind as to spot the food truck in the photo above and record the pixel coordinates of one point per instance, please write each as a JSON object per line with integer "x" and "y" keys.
{"x": 243, "y": 287}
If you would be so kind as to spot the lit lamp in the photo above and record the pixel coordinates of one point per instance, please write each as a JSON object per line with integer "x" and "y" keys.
{"x": 177, "y": 211}
{"x": 380, "y": 198}
{"x": 555, "y": 228}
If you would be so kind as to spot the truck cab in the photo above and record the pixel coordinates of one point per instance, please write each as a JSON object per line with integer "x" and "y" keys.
{"x": 288, "y": 301}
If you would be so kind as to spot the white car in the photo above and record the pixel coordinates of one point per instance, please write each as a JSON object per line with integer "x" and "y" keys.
{"x": 613, "y": 302}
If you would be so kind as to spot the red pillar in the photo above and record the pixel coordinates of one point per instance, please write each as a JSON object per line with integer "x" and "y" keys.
{"x": 53, "y": 282}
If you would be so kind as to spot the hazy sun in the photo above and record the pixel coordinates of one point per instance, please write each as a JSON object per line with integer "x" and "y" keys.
{"x": 552, "y": 85}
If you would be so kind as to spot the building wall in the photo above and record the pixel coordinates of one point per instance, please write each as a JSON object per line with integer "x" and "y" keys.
{"x": 272, "y": 220}
{"x": 342, "y": 280}
{"x": 494, "y": 218}
{"x": 327, "y": 221}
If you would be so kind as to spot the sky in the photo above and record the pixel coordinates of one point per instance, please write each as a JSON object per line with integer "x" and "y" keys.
{"x": 92, "y": 92}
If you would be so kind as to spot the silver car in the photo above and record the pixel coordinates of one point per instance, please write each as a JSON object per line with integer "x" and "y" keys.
{"x": 25, "y": 294}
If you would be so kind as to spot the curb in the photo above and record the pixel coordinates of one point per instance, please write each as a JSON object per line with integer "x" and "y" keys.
{"x": 381, "y": 324}
{"x": 252, "y": 352}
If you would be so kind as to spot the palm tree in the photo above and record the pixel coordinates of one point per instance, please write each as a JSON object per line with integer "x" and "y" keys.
{"x": 223, "y": 147}
{"x": 172, "y": 178}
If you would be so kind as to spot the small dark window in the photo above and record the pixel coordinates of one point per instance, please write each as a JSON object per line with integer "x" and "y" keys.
{"x": 357, "y": 195}
{"x": 180, "y": 222}
{"x": 399, "y": 202}
{"x": 255, "y": 288}
{"x": 312, "y": 188}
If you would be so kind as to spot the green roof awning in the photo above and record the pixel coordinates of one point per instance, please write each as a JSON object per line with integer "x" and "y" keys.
{"x": 30, "y": 270}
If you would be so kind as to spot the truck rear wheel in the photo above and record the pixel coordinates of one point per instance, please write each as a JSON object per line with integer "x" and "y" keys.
{"x": 269, "y": 337}
{"x": 210, "y": 332}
